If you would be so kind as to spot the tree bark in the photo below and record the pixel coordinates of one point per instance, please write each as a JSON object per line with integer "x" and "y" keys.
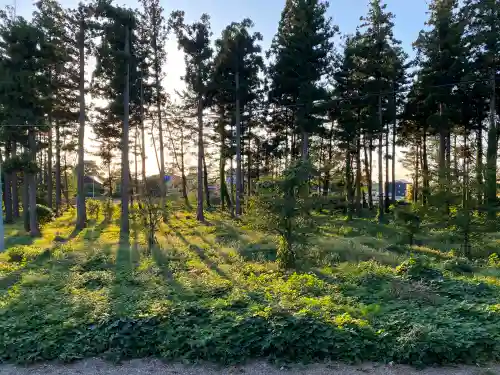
{"x": 348, "y": 178}
{"x": 393, "y": 195}
{"x": 81, "y": 210}
{"x": 358, "y": 176}
{"x": 425, "y": 170}
{"x": 479, "y": 164}
{"x": 33, "y": 220}
{"x": 239, "y": 183}
{"x": 15, "y": 190}
{"x": 368, "y": 176}
{"x": 201, "y": 154}
{"x": 124, "y": 218}
{"x": 415, "y": 186}
{"x": 386, "y": 185}
{"x": 491, "y": 155}
{"x": 58, "y": 171}
{"x": 8, "y": 187}
{"x": 49, "y": 167}
{"x": 25, "y": 202}
{"x": 205, "y": 182}
{"x": 143, "y": 141}
{"x": 380, "y": 163}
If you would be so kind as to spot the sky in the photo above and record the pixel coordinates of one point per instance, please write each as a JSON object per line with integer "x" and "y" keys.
{"x": 410, "y": 17}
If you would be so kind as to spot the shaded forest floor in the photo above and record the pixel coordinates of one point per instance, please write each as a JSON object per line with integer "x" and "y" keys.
{"x": 214, "y": 293}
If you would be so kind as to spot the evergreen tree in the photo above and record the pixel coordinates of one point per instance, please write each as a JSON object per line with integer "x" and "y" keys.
{"x": 194, "y": 40}
{"x": 301, "y": 52}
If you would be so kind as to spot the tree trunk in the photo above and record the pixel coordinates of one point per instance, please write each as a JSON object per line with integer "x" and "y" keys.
{"x": 183, "y": 173}
{"x": 205, "y": 182}
{"x": 157, "y": 66}
{"x": 386, "y": 185}
{"x": 25, "y": 202}
{"x": 143, "y": 141}
{"x": 239, "y": 183}
{"x": 380, "y": 164}
{"x": 58, "y": 171}
{"x": 33, "y": 220}
{"x": 368, "y": 172}
{"x": 358, "y": 176}
{"x": 348, "y": 179}
{"x": 49, "y": 167}
{"x": 81, "y": 210}
{"x": 8, "y": 188}
{"x": 393, "y": 195}
{"x": 415, "y": 186}
{"x": 479, "y": 165}
{"x": 124, "y": 219}
{"x": 199, "y": 210}
{"x": 66, "y": 183}
{"x": 425, "y": 170}
{"x": 15, "y": 190}
{"x": 491, "y": 155}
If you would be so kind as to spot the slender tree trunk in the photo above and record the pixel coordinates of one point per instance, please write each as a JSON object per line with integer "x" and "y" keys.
{"x": 199, "y": 211}
{"x": 8, "y": 188}
{"x": 58, "y": 170}
{"x": 491, "y": 155}
{"x": 239, "y": 183}
{"x": 305, "y": 145}
{"x": 393, "y": 169}
{"x": 183, "y": 173}
{"x": 157, "y": 67}
{"x": 231, "y": 171}
{"x": 205, "y": 182}
{"x": 386, "y": 185}
{"x": 425, "y": 170}
{"x": 143, "y": 141}
{"x": 479, "y": 165}
{"x": 380, "y": 163}
{"x": 415, "y": 186}
{"x": 25, "y": 202}
{"x": 81, "y": 210}
{"x": 50, "y": 191}
{"x": 124, "y": 219}
{"x": 15, "y": 190}
{"x": 34, "y": 230}
{"x": 368, "y": 176}
{"x": 358, "y": 176}
{"x": 249, "y": 170}
{"x": 348, "y": 179}
{"x": 66, "y": 183}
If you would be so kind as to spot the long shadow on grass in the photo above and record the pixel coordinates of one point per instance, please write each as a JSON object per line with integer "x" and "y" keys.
{"x": 261, "y": 251}
{"x": 18, "y": 239}
{"x": 93, "y": 233}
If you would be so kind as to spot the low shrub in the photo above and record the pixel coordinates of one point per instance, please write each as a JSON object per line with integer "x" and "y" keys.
{"x": 93, "y": 208}
{"x": 418, "y": 269}
{"x": 459, "y": 266}
{"x": 44, "y": 214}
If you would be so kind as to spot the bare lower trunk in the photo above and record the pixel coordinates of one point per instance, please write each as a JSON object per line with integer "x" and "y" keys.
{"x": 58, "y": 171}
{"x": 8, "y": 189}
{"x": 66, "y": 183}
{"x": 205, "y": 182}
{"x": 49, "y": 167}
{"x": 368, "y": 178}
{"x": 239, "y": 183}
{"x": 358, "y": 176}
{"x": 15, "y": 190}
{"x": 349, "y": 189}
{"x": 425, "y": 170}
{"x": 479, "y": 165}
{"x": 415, "y": 186}
{"x": 199, "y": 211}
{"x": 125, "y": 182}
{"x": 25, "y": 202}
{"x": 386, "y": 185}
{"x": 394, "y": 161}
{"x": 380, "y": 164}
{"x": 33, "y": 220}
{"x": 81, "y": 210}
{"x": 491, "y": 155}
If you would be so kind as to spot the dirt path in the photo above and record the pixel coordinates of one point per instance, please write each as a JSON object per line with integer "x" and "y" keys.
{"x": 154, "y": 367}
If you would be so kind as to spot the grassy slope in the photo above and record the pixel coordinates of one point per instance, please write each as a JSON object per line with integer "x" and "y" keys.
{"x": 213, "y": 293}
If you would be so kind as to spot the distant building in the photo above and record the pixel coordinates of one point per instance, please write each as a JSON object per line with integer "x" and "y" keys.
{"x": 401, "y": 189}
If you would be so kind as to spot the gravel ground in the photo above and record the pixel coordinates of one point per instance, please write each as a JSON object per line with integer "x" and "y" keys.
{"x": 154, "y": 367}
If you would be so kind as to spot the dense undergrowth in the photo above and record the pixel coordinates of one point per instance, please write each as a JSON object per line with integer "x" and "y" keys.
{"x": 214, "y": 293}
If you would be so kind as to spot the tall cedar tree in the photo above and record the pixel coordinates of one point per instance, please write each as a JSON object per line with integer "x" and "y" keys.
{"x": 439, "y": 69}
{"x": 194, "y": 40}
{"x": 381, "y": 69}
{"x": 301, "y": 52}
{"x": 235, "y": 83}
{"x": 483, "y": 42}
